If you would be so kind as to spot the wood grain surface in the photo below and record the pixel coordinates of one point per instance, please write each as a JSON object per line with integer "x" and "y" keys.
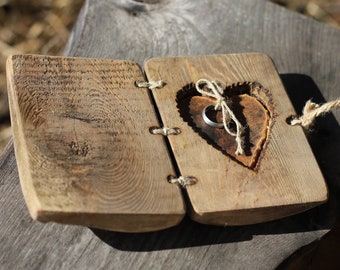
{"x": 83, "y": 147}
{"x": 287, "y": 179}
{"x": 304, "y": 52}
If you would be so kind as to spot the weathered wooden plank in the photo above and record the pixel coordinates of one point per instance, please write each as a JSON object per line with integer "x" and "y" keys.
{"x": 286, "y": 179}
{"x": 84, "y": 151}
{"x": 137, "y": 31}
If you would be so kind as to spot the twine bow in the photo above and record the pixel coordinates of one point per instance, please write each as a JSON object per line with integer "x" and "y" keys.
{"x": 214, "y": 90}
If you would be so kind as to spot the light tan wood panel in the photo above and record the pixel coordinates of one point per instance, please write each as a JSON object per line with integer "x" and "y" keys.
{"x": 286, "y": 178}
{"x": 84, "y": 151}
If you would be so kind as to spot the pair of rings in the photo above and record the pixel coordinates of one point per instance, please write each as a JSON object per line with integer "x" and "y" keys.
{"x": 207, "y": 120}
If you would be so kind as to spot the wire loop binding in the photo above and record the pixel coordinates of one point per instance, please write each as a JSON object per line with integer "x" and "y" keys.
{"x": 150, "y": 84}
{"x": 165, "y": 131}
{"x": 183, "y": 181}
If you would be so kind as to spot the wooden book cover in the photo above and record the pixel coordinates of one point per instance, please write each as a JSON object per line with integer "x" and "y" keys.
{"x": 90, "y": 150}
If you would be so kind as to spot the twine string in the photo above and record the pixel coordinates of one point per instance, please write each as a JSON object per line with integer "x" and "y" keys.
{"x": 312, "y": 110}
{"x": 214, "y": 90}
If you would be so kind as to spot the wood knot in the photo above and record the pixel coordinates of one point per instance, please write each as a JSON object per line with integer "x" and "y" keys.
{"x": 79, "y": 149}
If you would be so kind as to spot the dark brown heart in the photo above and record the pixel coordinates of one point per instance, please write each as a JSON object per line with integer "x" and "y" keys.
{"x": 253, "y": 107}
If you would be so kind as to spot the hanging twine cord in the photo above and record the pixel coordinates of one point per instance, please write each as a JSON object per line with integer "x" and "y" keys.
{"x": 214, "y": 90}
{"x": 312, "y": 110}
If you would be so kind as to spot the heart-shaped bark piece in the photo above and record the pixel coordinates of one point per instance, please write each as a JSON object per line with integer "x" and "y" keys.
{"x": 252, "y": 106}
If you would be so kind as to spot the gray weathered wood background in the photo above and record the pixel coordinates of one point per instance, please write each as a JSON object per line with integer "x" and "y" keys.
{"x": 307, "y": 57}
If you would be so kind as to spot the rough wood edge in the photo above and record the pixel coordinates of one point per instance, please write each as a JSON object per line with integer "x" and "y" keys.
{"x": 28, "y": 191}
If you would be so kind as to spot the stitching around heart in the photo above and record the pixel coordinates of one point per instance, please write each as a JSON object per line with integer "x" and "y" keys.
{"x": 254, "y": 107}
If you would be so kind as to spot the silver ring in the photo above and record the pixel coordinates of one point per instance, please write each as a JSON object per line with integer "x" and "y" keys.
{"x": 207, "y": 120}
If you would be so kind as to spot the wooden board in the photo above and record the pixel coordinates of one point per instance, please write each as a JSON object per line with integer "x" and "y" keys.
{"x": 304, "y": 53}
{"x": 84, "y": 151}
{"x": 286, "y": 179}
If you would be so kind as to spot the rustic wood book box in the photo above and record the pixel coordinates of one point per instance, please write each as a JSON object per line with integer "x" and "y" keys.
{"x": 96, "y": 147}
